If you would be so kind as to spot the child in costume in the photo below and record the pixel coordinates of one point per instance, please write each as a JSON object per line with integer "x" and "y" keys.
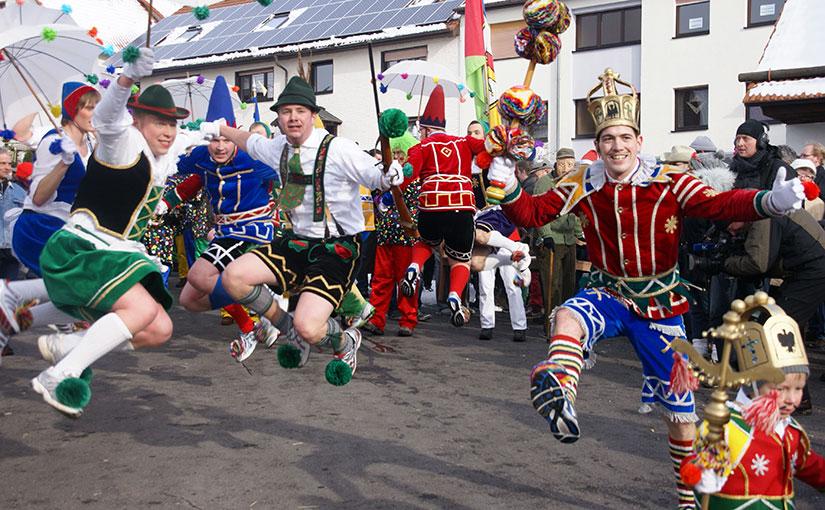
{"x": 94, "y": 268}
{"x": 768, "y": 447}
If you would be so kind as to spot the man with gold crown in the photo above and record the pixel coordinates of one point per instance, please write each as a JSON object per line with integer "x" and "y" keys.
{"x": 631, "y": 213}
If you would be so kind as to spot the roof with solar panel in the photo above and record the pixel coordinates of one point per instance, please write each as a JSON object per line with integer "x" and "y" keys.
{"x": 245, "y": 29}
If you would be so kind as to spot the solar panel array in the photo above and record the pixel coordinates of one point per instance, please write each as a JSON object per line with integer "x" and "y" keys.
{"x": 322, "y": 19}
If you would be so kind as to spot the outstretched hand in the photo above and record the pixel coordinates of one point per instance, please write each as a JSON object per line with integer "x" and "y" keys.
{"x": 786, "y": 195}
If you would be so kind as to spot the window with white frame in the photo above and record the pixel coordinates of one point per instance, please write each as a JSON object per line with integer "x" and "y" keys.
{"x": 691, "y": 108}
{"x": 764, "y": 12}
{"x": 692, "y": 18}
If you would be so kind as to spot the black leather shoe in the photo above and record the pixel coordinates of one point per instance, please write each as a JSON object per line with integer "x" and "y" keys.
{"x": 519, "y": 335}
{"x": 486, "y": 334}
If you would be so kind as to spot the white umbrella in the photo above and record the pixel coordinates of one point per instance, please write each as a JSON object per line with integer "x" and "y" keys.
{"x": 420, "y": 77}
{"x": 193, "y": 93}
{"x": 38, "y": 56}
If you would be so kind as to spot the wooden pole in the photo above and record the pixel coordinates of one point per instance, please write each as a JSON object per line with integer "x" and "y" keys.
{"x": 36, "y": 97}
{"x": 149, "y": 25}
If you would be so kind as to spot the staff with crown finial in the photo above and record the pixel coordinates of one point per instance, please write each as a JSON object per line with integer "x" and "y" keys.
{"x": 631, "y": 214}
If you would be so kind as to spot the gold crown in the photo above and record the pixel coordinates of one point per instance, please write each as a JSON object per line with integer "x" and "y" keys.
{"x": 613, "y": 109}
{"x": 770, "y": 337}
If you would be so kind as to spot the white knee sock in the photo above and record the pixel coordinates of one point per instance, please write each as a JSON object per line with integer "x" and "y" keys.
{"x": 46, "y": 313}
{"x": 499, "y": 241}
{"x": 105, "y": 335}
{"x": 28, "y": 290}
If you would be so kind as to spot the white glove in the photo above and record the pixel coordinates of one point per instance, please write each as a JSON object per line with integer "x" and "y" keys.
{"x": 141, "y": 67}
{"x": 69, "y": 150}
{"x": 212, "y": 130}
{"x": 394, "y": 175}
{"x": 503, "y": 170}
{"x": 162, "y": 208}
{"x": 785, "y": 196}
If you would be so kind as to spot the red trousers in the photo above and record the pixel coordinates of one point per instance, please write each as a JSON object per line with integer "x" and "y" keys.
{"x": 391, "y": 261}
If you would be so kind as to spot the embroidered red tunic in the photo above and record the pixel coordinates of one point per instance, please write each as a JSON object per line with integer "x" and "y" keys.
{"x": 444, "y": 163}
{"x": 632, "y": 228}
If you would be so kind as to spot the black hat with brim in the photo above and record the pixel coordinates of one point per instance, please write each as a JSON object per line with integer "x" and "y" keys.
{"x": 297, "y": 91}
{"x": 158, "y": 101}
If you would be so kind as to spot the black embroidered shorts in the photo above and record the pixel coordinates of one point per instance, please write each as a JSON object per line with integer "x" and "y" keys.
{"x": 323, "y": 267}
{"x": 455, "y": 228}
{"x": 224, "y": 250}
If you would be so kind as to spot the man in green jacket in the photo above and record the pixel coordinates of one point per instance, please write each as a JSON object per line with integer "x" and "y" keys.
{"x": 556, "y": 243}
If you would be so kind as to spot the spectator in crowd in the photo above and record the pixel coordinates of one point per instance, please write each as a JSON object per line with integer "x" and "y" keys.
{"x": 756, "y": 161}
{"x": 11, "y": 196}
{"x": 786, "y": 153}
{"x": 806, "y": 171}
{"x": 702, "y": 144}
{"x": 679, "y": 156}
{"x": 815, "y": 152}
{"x": 555, "y": 244}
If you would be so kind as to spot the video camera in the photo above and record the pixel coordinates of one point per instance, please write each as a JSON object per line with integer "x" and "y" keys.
{"x": 709, "y": 256}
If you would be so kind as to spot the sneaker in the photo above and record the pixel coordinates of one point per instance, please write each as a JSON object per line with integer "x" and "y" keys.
{"x": 51, "y": 347}
{"x": 46, "y": 384}
{"x": 409, "y": 282}
{"x": 7, "y": 351}
{"x": 350, "y": 357}
{"x": 523, "y": 278}
{"x": 552, "y": 400}
{"x": 459, "y": 314}
{"x": 519, "y": 335}
{"x": 366, "y": 314}
{"x": 486, "y": 334}
{"x": 423, "y": 316}
{"x": 267, "y": 333}
{"x": 405, "y": 331}
{"x": 372, "y": 329}
{"x": 244, "y": 346}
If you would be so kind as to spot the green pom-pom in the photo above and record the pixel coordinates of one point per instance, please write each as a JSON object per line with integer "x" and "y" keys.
{"x": 289, "y": 356}
{"x": 87, "y": 375}
{"x": 265, "y": 3}
{"x": 135, "y": 89}
{"x": 48, "y": 34}
{"x": 409, "y": 96}
{"x": 73, "y": 392}
{"x": 92, "y": 78}
{"x": 201, "y": 13}
{"x": 130, "y": 54}
{"x": 243, "y": 106}
{"x": 393, "y": 123}
{"x": 338, "y": 373}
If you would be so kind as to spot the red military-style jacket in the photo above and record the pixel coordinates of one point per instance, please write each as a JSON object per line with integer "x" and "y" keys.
{"x": 632, "y": 228}
{"x": 444, "y": 163}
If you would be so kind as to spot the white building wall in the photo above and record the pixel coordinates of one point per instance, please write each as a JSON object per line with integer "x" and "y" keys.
{"x": 714, "y": 60}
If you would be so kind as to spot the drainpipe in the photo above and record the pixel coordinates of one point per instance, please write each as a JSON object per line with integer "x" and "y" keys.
{"x": 286, "y": 73}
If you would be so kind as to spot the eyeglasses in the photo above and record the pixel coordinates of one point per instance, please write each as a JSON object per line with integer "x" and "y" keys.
{"x": 806, "y": 156}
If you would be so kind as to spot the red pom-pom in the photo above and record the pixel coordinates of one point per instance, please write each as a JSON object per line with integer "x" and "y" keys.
{"x": 763, "y": 412}
{"x": 682, "y": 379}
{"x": 811, "y": 190}
{"x": 92, "y": 32}
{"x": 691, "y": 473}
{"x": 483, "y": 160}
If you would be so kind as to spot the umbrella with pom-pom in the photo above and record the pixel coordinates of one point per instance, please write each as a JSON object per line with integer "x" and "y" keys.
{"x": 41, "y": 48}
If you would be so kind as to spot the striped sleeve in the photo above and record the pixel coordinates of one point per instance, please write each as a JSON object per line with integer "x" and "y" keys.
{"x": 699, "y": 200}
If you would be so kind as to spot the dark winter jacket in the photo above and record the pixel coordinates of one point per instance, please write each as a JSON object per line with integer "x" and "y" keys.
{"x": 759, "y": 170}
{"x": 790, "y": 246}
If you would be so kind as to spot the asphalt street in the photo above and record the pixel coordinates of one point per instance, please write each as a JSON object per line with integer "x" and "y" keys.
{"x": 440, "y": 420}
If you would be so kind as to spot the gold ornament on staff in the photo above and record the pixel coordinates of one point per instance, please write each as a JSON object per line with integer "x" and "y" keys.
{"x": 763, "y": 337}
